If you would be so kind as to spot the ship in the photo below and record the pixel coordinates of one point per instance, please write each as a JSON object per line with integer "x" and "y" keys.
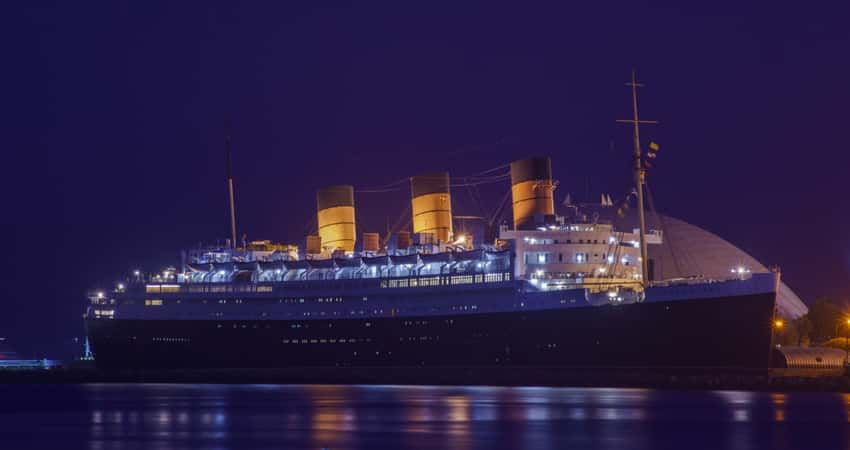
{"x": 546, "y": 290}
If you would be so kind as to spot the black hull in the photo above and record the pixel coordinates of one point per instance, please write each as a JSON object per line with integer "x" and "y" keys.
{"x": 720, "y": 333}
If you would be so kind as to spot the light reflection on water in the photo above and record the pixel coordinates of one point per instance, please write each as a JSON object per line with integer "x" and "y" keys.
{"x": 103, "y": 417}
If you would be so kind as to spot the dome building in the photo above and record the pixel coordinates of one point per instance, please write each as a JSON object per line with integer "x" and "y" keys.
{"x": 689, "y": 250}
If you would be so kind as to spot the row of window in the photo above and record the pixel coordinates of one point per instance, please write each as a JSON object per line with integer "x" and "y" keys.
{"x": 534, "y": 241}
{"x": 104, "y": 313}
{"x": 218, "y": 288}
{"x": 327, "y": 341}
{"x": 354, "y": 312}
{"x": 333, "y": 340}
{"x": 355, "y": 340}
{"x": 360, "y": 312}
{"x": 409, "y": 323}
{"x": 413, "y": 282}
{"x": 239, "y": 301}
{"x": 299, "y": 325}
{"x": 446, "y": 281}
{"x": 578, "y": 257}
{"x": 171, "y": 339}
{"x": 159, "y": 288}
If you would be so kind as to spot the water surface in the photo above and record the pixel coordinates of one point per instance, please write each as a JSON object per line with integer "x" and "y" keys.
{"x": 165, "y": 416}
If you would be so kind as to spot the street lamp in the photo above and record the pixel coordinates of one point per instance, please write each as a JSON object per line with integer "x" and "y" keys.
{"x": 775, "y": 331}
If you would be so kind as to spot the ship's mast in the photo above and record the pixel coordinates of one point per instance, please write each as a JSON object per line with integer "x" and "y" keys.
{"x": 230, "y": 192}
{"x": 639, "y": 174}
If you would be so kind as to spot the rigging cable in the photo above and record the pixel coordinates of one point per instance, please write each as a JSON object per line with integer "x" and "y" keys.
{"x": 497, "y": 214}
{"x": 311, "y": 226}
{"x": 389, "y": 187}
{"x": 492, "y": 170}
{"x": 464, "y": 182}
{"x": 397, "y": 226}
{"x": 665, "y": 235}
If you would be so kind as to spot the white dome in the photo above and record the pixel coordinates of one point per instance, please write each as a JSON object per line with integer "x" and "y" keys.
{"x": 691, "y": 251}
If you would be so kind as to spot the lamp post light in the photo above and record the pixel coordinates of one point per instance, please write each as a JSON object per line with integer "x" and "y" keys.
{"x": 776, "y": 327}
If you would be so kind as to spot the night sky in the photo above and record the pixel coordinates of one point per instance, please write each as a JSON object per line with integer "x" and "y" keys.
{"x": 113, "y": 124}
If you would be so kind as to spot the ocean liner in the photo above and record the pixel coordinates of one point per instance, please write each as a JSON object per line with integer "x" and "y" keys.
{"x": 547, "y": 290}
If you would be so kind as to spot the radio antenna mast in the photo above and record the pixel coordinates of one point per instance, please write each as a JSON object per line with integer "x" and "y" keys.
{"x": 639, "y": 173}
{"x": 229, "y": 152}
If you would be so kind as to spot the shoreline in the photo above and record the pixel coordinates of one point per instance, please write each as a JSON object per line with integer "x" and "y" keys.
{"x": 753, "y": 380}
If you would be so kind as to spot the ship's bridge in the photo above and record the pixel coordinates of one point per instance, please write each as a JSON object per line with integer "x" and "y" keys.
{"x": 563, "y": 255}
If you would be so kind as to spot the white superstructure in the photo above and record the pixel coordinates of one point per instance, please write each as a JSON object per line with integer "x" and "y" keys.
{"x": 564, "y": 254}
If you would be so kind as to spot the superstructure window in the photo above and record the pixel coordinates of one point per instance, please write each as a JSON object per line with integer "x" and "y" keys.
{"x": 156, "y": 288}
{"x": 537, "y": 257}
